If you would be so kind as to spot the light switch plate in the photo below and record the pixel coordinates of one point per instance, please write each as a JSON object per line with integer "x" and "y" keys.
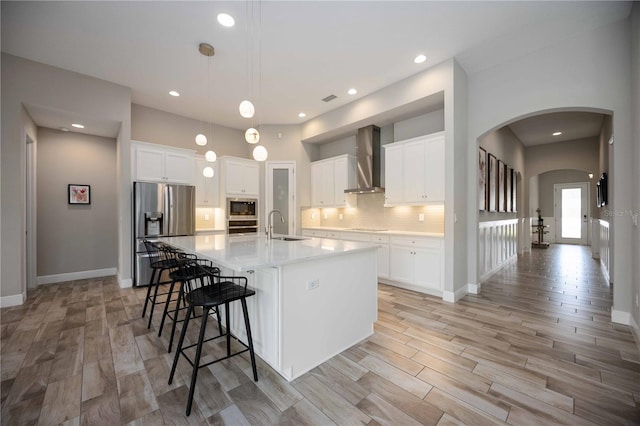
{"x": 206, "y": 216}
{"x": 340, "y": 216}
{"x": 420, "y": 217}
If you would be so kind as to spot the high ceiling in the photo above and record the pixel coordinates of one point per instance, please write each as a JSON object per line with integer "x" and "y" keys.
{"x": 573, "y": 125}
{"x": 301, "y": 51}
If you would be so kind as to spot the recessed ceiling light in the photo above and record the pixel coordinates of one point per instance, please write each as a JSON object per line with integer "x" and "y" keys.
{"x": 302, "y": 115}
{"x": 77, "y": 126}
{"x": 557, "y": 133}
{"x": 226, "y": 20}
{"x": 63, "y": 129}
{"x": 419, "y": 59}
{"x": 174, "y": 93}
{"x": 352, "y": 91}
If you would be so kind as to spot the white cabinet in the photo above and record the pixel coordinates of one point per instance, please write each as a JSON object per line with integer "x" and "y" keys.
{"x": 329, "y": 179}
{"x": 157, "y": 163}
{"x": 383, "y": 248}
{"x": 414, "y": 170}
{"x": 322, "y": 184}
{"x": 207, "y": 189}
{"x": 417, "y": 263}
{"x": 242, "y": 177}
{"x": 314, "y": 233}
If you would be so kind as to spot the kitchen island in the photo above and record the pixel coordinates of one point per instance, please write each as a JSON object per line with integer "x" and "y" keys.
{"x": 315, "y": 297}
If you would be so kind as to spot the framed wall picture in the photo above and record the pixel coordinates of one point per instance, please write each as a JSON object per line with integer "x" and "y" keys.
{"x": 514, "y": 191}
{"x": 508, "y": 187}
{"x": 492, "y": 199}
{"x": 79, "y": 194}
{"x": 502, "y": 200}
{"x": 482, "y": 179}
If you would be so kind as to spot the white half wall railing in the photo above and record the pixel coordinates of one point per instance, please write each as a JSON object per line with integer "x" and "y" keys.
{"x": 603, "y": 246}
{"x": 497, "y": 245}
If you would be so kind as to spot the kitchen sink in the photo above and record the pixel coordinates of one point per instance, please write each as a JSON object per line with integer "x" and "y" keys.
{"x": 288, "y": 238}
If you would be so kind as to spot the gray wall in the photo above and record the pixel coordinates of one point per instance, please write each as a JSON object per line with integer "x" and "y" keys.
{"x": 591, "y": 71}
{"x": 546, "y": 182}
{"x": 580, "y": 154}
{"x": 635, "y": 107}
{"x": 76, "y": 238}
{"x": 164, "y": 128}
{"x": 27, "y": 83}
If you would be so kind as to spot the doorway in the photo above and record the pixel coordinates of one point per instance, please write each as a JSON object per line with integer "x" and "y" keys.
{"x": 571, "y": 212}
{"x": 280, "y": 192}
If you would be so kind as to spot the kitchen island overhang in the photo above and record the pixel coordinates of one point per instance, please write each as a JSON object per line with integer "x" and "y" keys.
{"x": 314, "y": 297}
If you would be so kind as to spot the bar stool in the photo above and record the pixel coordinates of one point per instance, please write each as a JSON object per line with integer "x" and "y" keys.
{"x": 187, "y": 277}
{"x": 220, "y": 291}
{"x": 162, "y": 257}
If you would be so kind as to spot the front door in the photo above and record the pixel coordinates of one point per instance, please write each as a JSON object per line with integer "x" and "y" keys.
{"x": 571, "y": 212}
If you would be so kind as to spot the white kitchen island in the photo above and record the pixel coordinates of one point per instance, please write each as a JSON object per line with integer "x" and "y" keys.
{"x": 314, "y": 297}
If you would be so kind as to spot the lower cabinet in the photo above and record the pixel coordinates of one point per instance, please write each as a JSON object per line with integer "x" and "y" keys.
{"x": 417, "y": 262}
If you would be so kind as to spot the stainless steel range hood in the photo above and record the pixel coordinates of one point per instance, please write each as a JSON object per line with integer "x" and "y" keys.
{"x": 368, "y": 161}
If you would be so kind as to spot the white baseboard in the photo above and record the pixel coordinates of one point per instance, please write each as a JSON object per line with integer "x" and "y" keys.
{"x": 474, "y": 288}
{"x": 125, "y": 282}
{"x": 453, "y": 297}
{"x": 15, "y": 300}
{"x": 621, "y": 317}
{"x": 81, "y": 275}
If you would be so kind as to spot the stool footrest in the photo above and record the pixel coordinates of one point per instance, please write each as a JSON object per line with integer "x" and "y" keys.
{"x": 246, "y": 349}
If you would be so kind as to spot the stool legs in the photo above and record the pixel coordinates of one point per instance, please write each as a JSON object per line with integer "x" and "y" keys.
{"x": 146, "y": 300}
{"x": 249, "y": 338}
{"x": 155, "y": 297}
{"x": 196, "y": 361}
{"x": 166, "y": 307}
{"x": 180, "y": 342}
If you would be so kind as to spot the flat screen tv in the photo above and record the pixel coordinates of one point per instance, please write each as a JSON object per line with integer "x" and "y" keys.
{"x": 602, "y": 190}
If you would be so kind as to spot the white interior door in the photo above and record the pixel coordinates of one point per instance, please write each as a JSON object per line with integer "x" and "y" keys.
{"x": 280, "y": 191}
{"x": 571, "y": 212}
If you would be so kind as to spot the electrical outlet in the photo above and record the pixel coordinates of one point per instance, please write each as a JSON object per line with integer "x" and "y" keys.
{"x": 313, "y": 284}
{"x": 340, "y": 216}
{"x": 313, "y": 215}
{"x": 420, "y": 217}
{"x": 206, "y": 216}
{"x": 326, "y": 216}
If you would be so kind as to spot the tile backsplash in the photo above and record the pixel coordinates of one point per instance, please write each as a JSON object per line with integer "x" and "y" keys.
{"x": 371, "y": 213}
{"x": 209, "y": 218}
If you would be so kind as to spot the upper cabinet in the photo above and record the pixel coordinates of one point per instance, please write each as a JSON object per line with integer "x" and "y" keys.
{"x": 329, "y": 179}
{"x": 241, "y": 176}
{"x": 207, "y": 189}
{"x": 414, "y": 170}
{"x": 159, "y": 163}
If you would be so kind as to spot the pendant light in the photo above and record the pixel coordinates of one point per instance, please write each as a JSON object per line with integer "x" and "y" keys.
{"x": 246, "y": 108}
{"x": 207, "y": 50}
{"x": 252, "y": 136}
{"x": 208, "y": 172}
{"x": 260, "y": 153}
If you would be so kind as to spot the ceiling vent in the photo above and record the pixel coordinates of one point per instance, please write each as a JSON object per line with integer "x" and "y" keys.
{"x": 329, "y": 98}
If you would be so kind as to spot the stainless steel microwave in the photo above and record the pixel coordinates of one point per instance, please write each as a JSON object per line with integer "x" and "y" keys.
{"x": 242, "y": 208}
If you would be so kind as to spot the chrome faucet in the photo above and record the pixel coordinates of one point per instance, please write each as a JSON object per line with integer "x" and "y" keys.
{"x": 270, "y": 222}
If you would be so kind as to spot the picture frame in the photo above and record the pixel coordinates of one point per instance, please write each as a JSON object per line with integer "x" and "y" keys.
{"x": 514, "y": 191}
{"x": 492, "y": 202}
{"x": 79, "y": 194}
{"x": 482, "y": 179}
{"x": 501, "y": 198}
{"x": 508, "y": 188}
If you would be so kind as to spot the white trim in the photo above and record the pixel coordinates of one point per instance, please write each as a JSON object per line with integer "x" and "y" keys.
{"x": 620, "y": 317}
{"x": 15, "y": 300}
{"x": 81, "y": 275}
{"x": 474, "y": 288}
{"x": 453, "y": 297}
{"x": 635, "y": 330}
{"x": 125, "y": 282}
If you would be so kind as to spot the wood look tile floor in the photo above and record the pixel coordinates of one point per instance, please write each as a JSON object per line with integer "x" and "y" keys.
{"x": 537, "y": 346}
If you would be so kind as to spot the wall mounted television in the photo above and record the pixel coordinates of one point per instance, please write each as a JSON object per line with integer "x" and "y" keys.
{"x": 601, "y": 187}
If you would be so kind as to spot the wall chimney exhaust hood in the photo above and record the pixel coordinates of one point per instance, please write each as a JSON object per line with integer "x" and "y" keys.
{"x": 368, "y": 161}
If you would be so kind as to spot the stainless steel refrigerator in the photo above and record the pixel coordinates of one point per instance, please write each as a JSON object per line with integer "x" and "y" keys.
{"x": 159, "y": 210}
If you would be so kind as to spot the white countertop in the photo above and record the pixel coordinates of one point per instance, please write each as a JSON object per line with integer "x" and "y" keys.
{"x": 373, "y": 231}
{"x": 243, "y": 253}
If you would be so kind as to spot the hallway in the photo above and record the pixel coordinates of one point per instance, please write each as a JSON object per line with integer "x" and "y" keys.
{"x": 535, "y": 347}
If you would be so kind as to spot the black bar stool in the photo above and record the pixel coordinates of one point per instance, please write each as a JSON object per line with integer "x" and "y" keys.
{"x": 162, "y": 257}
{"x": 187, "y": 277}
{"x": 220, "y": 291}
